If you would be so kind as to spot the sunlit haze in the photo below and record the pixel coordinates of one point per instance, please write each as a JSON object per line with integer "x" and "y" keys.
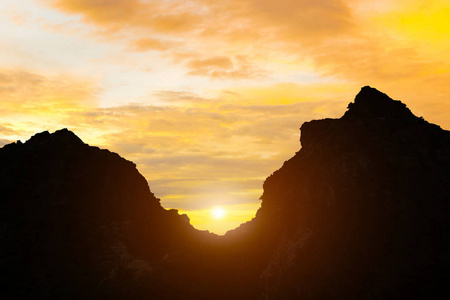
{"x": 207, "y": 97}
{"x": 218, "y": 212}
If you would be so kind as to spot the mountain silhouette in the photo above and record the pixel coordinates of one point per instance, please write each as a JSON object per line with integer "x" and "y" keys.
{"x": 360, "y": 212}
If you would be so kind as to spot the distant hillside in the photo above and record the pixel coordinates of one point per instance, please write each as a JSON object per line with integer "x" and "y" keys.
{"x": 360, "y": 212}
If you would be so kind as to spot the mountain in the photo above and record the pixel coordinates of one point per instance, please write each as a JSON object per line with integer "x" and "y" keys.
{"x": 360, "y": 212}
{"x": 81, "y": 222}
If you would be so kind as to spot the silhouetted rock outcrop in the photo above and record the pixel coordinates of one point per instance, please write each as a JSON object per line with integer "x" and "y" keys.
{"x": 360, "y": 212}
{"x": 77, "y": 222}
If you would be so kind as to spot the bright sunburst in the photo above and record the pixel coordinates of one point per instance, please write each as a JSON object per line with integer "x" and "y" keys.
{"x": 218, "y": 212}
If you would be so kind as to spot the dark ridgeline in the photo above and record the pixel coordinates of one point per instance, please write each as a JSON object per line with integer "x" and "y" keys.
{"x": 360, "y": 212}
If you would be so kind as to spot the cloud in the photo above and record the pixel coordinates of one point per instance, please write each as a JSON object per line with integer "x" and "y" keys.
{"x": 352, "y": 40}
{"x": 21, "y": 89}
{"x": 5, "y": 129}
{"x": 289, "y": 18}
{"x": 218, "y": 62}
{"x": 223, "y": 67}
{"x": 116, "y": 15}
{"x": 149, "y": 44}
{"x": 236, "y": 35}
{"x": 306, "y": 16}
{"x": 419, "y": 20}
{"x": 183, "y": 97}
{"x": 33, "y": 102}
{"x": 4, "y": 142}
{"x": 10, "y": 133}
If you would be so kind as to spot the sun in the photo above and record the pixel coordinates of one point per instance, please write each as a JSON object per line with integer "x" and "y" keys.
{"x": 218, "y": 212}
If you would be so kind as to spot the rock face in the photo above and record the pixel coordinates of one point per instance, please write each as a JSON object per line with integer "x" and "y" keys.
{"x": 78, "y": 222}
{"x": 360, "y": 212}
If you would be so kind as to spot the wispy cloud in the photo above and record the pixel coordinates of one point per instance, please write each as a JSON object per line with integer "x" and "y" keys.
{"x": 22, "y": 89}
{"x": 151, "y": 44}
{"x": 116, "y": 15}
{"x": 229, "y": 31}
{"x": 224, "y": 67}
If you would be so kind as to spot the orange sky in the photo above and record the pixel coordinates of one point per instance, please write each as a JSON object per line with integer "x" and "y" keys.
{"x": 207, "y": 96}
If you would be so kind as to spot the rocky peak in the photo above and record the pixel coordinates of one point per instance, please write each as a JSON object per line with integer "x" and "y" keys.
{"x": 373, "y": 120}
{"x": 63, "y": 138}
{"x": 371, "y": 103}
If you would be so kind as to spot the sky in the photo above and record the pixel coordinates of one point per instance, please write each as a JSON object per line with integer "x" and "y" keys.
{"x": 207, "y": 97}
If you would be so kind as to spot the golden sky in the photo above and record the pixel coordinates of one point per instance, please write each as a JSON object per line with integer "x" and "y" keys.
{"x": 207, "y": 97}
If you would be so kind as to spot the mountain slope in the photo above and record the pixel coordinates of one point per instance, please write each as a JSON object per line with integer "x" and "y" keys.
{"x": 361, "y": 211}
{"x": 78, "y": 221}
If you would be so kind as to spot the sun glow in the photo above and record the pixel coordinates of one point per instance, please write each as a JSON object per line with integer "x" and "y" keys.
{"x": 233, "y": 216}
{"x": 218, "y": 212}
